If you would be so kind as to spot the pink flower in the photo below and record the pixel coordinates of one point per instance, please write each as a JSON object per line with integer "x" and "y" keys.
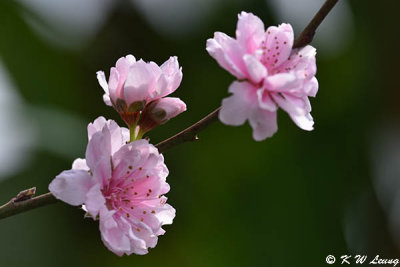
{"x": 122, "y": 184}
{"x": 133, "y": 84}
{"x": 272, "y": 75}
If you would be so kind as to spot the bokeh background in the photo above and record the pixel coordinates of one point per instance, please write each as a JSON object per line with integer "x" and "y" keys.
{"x": 288, "y": 201}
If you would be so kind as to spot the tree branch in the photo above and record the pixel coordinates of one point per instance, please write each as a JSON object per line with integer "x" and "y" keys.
{"x": 189, "y": 134}
{"x": 307, "y": 35}
{"x": 14, "y": 207}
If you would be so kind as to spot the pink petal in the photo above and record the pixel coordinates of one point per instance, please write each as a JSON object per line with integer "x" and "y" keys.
{"x": 257, "y": 72}
{"x": 301, "y": 61}
{"x": 80, "y": 164}
{"x": 123, "y": 159}
{"x": 263, "y": 123}
{"x": 277, "y": 45}
{"x": 71, "y": 186}
{"x": 165, "y": 214}
{"x": 235, "y": 109}
{"x": 113, "y": 81}
{"x": 95, "y": 200}
{"x": 249, "y": 31}
{"x": 96, "y": 126}
{"x": 98, "y": 155}
{"x": 140, "y": 82}
{"x": 137, "y": 154}
{"x": 103, "y": 83}
{"x": 172, "y": 74}
{"x": 291, "y": 104}
{"x": 107, "y": 100}
{"x": 282, "y": 82}
{"x": 123, "y": 64}
{"x": 305, "y": 122}
{"x": 265, "y": 101}
{"x": 113, "y": 238}
{"x": 311, "y": 87}
{"x": 228, "y": 53}
{"x": 145, "y": 234}
{"x": 119, "y": 135}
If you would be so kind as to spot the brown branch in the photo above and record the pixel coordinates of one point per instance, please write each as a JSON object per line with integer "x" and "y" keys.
{"x": 14, "y": 207}
{"x": 189, "y": 134}
{"x": 307, "y": 35}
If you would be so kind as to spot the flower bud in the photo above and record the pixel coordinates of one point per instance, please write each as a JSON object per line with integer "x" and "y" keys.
{"x": 134, "y": 84}
{"x": 160, "y": 111}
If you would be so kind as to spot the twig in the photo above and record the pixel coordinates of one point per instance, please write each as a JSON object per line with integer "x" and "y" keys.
{"x": 307, "y": 35}
{"x": 189, "y": 134}
{"x": 12, "y": 207}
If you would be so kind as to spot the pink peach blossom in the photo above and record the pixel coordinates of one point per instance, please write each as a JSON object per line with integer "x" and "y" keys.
{"x": 123, "y": 185}
{"x": 272, "y": 75}
{"x": 134, "y": 84}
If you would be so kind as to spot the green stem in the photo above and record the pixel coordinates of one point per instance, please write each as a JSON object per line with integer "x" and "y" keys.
{"x": 140, "y": 134}
{"x": 132, "y": 130}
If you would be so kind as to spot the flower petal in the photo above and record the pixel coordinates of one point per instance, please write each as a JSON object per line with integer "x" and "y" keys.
{"x": 249, "y": 31}
{"x": 71, "y": 186}
{"x": 119, "y": 135}
{"x": 291, "y": 104}
{"x": 265, "y": 101}
{"x": 140, "y": 82}
{"x": 80, "y": 164}
{"x": 113, "y": 81}
{"x": 172, "y": 74}
{"x": 235, "y": 109}
{"x": 257, "y": 72}
{"x": 305, "y": 122}
{"x": 98, "y": 155}
{"x": 113, "y": 238}
{"x": 123, "y": 64}
{"x": 301, "y": 61}
{"x": 228, "y": 53}
{"x": 96, "y": 126}
{"x": 278, "y": 45}
{"x": 282, "y": 82}
{"x": 165, "y": 214}
{"x": 311, "y": 87}
{"x": 94, "y": 200}
{"x": 103, "y": 83}
{"x": 263, "y": 123}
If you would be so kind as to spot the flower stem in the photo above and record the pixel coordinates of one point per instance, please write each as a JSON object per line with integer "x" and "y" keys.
{"x": 132, "y": 133}
{"x": 140, "y": 134}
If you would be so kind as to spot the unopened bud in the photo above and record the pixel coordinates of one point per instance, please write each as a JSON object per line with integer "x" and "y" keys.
{"x": 160, "y": 111}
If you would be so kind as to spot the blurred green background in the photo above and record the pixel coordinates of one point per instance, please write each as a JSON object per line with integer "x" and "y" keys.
{"x": 290, "y": 200}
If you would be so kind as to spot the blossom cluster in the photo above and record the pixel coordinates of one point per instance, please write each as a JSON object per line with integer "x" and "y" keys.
{"x": 122, "y": 180}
